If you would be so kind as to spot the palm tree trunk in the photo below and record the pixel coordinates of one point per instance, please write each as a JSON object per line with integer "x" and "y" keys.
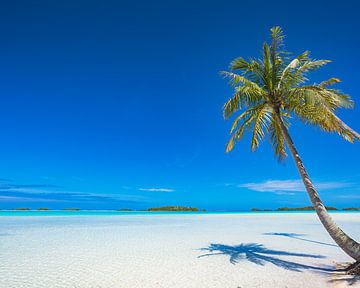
{"x": 346, "y": 243}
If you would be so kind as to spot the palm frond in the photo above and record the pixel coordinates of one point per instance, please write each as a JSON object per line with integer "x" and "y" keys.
{"x": 295, "y": 73}
{"x": 252, "y": 69}
{"x": 245, "y": 95}
{"x": 261, "y": 122}
{"x": 277, "y": 138}
{"x": 309, "y": 66}
{"x": 324, "y": 118}
{"x": 329, "y": 82}
{"x": 248, "y": 119}
{"x": 287, "y": 75}
{"x": 277, "y": 37}
{"x": 236, "y": 79}
{"x": 278, "y": 83}
{"x": 267, "y": 74}
{"x": 318, "y": 95}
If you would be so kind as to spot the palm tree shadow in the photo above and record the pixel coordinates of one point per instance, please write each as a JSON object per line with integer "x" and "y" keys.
{"x": 341, "y": 277}
{"x": 299, "y": 237}
{"x": 349, "y": 280}
{"x": 260, "y": 255}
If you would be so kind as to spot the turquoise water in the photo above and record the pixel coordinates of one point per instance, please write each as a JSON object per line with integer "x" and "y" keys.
{"x": 124, "y": 213}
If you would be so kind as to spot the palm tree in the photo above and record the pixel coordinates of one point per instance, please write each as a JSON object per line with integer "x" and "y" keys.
{"x": 268, "y": 92}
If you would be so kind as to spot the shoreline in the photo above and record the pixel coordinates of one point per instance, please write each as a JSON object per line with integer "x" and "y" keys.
{"x": 21, "y": 213}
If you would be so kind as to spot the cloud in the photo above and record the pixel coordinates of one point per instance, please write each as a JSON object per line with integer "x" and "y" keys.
{"x": 116, "y": 197}
{"x": 156, "y": 189}
{"x": 10, "y": 192}
{"x": 289, "y": 186}
{"x": 27, "y": 199}
{"x": 67, "y": 196}
{"x": 29, "y": 188}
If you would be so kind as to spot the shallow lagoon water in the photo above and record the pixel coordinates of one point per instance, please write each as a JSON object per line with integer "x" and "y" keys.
{"x": 162, "y": 249}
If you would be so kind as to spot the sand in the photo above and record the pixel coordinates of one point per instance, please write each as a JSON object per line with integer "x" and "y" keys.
{"x": 207, "y": 250}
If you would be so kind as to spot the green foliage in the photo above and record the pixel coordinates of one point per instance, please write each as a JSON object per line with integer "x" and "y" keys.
{"x": 260, "y": 210}
{"x": 173, "y": 208}
{"x": 270, "y": 90}
{"x": 306, "y": 208}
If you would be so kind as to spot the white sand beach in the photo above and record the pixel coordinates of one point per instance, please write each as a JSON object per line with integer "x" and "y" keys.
{"x": 199, "y": 250}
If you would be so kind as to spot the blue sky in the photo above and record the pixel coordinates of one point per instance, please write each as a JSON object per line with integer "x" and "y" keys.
{"x": 111, "y": 104}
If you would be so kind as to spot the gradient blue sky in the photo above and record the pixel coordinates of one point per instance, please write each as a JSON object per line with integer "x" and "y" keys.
{"x": 110, "y": 104}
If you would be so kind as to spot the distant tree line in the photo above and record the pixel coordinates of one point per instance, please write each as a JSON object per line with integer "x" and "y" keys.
{"x": 306, "y": 208}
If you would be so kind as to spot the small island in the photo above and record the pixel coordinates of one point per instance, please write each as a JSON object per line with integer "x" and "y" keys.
{"x": 306, "y": 208}
{"x": 351, "y": 209}
{"x": 21, "y": 209}
{"x": 71, "y": 209}
{"x": 260, "y": 210}
{"x": 174, "y": 208}
{"x": 124, "y": 210}
{"x": 43, "y": 209}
